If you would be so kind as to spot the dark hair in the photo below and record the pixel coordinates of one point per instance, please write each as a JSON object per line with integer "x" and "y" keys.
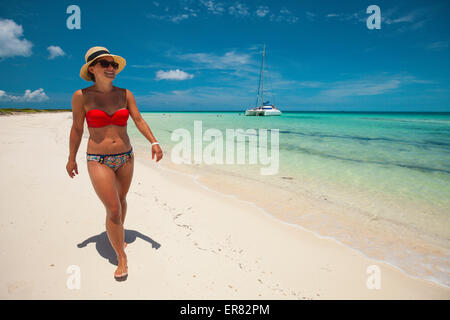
{"x": 90, "y": 74}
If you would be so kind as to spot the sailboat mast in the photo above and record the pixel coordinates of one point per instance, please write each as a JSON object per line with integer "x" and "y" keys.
{"x": 262, "y": 92}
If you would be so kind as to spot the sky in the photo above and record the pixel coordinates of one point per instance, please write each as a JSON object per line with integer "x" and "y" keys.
{"x": 205, "y": 55}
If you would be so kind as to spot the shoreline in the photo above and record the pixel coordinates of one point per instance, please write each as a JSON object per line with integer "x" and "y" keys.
{"x": 339, "y": 225}
{"x": 187, "y": 242}
{"x": 329, "y": 237}
{"x": 209, "y": 184}
{"x": 18, "y": 111}
{"x": 318, "y": 235}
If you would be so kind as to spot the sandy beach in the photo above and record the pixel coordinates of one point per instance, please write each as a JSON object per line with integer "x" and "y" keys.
{"x": 186, "y": 241}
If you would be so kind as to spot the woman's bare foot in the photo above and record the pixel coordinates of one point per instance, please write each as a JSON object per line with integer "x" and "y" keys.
{"x": 122, "y": 269}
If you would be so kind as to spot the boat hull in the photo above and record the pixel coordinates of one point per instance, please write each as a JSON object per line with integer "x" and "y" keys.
{"x": 250, "y": 112}
{"x": 273, "y": 112}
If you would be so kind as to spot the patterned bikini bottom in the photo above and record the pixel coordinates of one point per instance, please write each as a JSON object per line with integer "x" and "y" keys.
{"x": 114, "y": 161}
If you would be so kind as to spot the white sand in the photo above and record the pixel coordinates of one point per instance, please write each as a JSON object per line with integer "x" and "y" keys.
{"x": 199, "y": 244}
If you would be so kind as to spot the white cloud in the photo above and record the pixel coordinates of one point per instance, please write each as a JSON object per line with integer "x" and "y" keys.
{"x": 213, "y": 7}
{"x": 386, "y": 16}
{"x": 192, "y": 12}
{"x": 368, "y": 87}
{"x": 36, "y": 95}
{"x": 212, "y": 61}
{"x": 262, "y": 11}
{"x": 199, "y": 97}
{"x": 173, "y": 75}
{"x": 284, "y": 10}
{"x": 55, "y": 51}
{"x": 29, "y": 96}
{"x": 239, "y": 95}
{"x": 310, "y": 84}
{"x": 188, "y": 12}
{"x": 359, "y": 16}
{"x": 411, "y": 21}
{"x": 438, "y": 45}
{"x": 285, "y": 15}
{"x": 310, "y": 16}
{"x": 238, "y": 10}
{"x": 10, "y": 43}
{"x": 407, "y": 18}
{"x": 362, "y": 88}
{"x": 179, "y": 18}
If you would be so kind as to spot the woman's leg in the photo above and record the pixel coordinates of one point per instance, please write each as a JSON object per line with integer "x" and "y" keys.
{"x": 103, "y": 180}
{"x": 124, "y": 175}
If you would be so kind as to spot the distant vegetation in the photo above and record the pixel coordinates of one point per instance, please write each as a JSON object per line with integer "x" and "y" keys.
{"x": 12, "y": 111}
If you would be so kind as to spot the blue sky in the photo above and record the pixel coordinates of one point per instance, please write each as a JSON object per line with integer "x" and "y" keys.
{"x": 206, "y": 54}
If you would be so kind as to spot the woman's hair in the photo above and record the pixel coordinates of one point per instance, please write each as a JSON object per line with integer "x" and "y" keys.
{"x": 90, "y": 74}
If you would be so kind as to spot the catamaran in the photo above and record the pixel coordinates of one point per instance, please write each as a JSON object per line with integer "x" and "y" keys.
{"x": 266, "y": 108}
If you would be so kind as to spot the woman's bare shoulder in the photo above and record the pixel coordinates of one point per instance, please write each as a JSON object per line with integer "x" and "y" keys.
{"x": 128, "y": 93}
{"x": 78, "y": 101}
{"x": 122, "y": 90}
{"x": 78, "y": 93}
{"x": 85, "y": 90}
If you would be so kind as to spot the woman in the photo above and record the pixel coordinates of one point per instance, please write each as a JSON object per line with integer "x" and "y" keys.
{"x": 110, "y": 157}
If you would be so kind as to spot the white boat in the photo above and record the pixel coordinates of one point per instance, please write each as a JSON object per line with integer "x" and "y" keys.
{"x": 265, "y": 109}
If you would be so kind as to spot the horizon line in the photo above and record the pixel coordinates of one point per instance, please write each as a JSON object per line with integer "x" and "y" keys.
{"x": 243, "y": 111}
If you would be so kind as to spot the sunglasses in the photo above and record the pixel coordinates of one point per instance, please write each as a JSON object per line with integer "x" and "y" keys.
{"x": 106, "y": 64}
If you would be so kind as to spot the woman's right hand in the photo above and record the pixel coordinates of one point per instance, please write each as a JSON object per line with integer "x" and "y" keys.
{"x": 71, "y": 167}
{"x": 156, "y": 150}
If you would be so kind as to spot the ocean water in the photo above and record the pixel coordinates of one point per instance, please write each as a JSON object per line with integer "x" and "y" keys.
{"x": 388, "y": 173}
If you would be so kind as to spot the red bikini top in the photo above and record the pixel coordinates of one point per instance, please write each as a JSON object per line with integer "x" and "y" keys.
{"x": 97, "y": 118}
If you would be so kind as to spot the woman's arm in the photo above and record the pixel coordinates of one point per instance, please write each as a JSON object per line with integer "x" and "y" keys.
{"x": 142, "y": 125}
{"x": 137, "y": 118}
{"x": 76, "y": 132}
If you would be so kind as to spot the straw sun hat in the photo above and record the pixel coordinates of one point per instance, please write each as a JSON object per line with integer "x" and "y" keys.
{"x": 97, "y": 52}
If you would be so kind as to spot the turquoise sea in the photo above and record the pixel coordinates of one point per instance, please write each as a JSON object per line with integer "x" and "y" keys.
{"x": 390, "y": 170}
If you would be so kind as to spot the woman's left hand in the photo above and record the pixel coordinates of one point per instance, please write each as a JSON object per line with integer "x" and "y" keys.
{"x": 156, "y": 150}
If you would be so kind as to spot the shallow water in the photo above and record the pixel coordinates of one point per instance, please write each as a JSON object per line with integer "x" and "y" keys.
{"x": 392, "y": 166}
